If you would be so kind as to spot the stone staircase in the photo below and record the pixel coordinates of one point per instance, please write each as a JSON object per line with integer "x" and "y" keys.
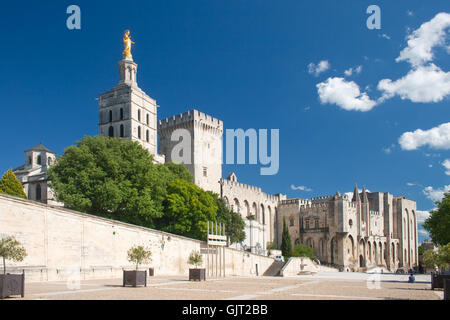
{"x": 274, "y": 269}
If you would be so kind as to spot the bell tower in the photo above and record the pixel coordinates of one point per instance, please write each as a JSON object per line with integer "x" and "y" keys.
{"x": 126, "y": 111}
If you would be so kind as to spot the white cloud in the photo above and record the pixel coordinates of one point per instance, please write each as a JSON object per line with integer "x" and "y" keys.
{"x": 423, "y": 232}
{"x": 350, "y": 193}
{"x": 410, "y": 13}
{"x": 350, "y": 71}
{"x": 422, "y": 84}
{"x": 322, "y": 66}
{"x": 446, "y": 165}
{"x": 436, "y": 194}
{"x": 436, "y": 138}
{"x": 345, "y": 94}
{"x": 301, "y": 188}
{"x": 384, "y": 35}
{"x": 421, "y": 42}
{"x": 421, "y": 216}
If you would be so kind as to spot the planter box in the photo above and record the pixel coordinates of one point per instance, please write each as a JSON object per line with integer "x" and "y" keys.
{"x": 12, "y": 284}
{"x": 134, "y": 278}
{"x": 197, "y": 274}
{"x": 446, "y": 289}
{"x": 437, "y": 280}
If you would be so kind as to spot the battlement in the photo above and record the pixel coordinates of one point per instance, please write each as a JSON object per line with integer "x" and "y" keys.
{"x": 314, "y": 205}
{"x": 245, "y": 187}
{"x": 374, "y": 213}
{"x": 322, "y": 199}
{"x": 293, "y": 202}
{"x": 190, "y": 117}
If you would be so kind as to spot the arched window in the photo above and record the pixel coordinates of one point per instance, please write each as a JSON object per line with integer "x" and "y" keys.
{"x": 111, "y": 131}
{"x": 49, "y": 161}
{"x": 121, "y": 131}
{"x": 139, "y": 115}
{"x": 39, "y": 160}
{"x": 147, "y": 138}
{"x": 38, "y": 192}
{"x": 139, "y": 132}
{"x": 110, "y": 115}
{"x": 121, "y": 113}
{"x": 147, "y": 119}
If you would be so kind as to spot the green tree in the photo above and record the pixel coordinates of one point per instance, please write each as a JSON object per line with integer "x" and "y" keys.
{"x": 187, "y": 208}
{"x": 113, "y": 178}
{"x": 439, "y": 258}
{"x": 234, "y": 224}
{"x": 438, "y": 223}
{"x": 139, "y": 255}
{"x": 301, "y": 250}
{"x": 11, "y": 249}
{"x": 9, "y": 184}
{"x": 286, "y": 244}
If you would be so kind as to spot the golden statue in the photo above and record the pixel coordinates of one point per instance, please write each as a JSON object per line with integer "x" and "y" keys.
{"x": 127, "y": 44}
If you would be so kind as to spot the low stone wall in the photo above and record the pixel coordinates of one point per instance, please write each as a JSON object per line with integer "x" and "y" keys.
{"x": 64, "y": 244}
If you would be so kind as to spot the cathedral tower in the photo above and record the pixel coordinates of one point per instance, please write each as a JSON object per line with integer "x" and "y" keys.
{"x": 126, "y": 111}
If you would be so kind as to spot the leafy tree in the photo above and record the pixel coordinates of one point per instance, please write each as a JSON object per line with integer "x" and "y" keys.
{"x": 139, "y": 255}
{"x": 113, "y": 178}
{"x": 439, "y": 258}
{"x": 286, "y": 244}
{"x": 187, "y": 208}
{"x": 11, "y": 249}
{"x": 195, "y": 259}
{"x": 233, "y": 221}
{"x": 301, "y": 250}
{"x": 438, "y": 223}
{"x": 9, "y": 184}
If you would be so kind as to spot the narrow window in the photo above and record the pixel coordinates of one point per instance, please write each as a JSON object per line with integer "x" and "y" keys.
{"x": 38, "y": 192}
{"x": 205, "y": 171}
{"x": 39, "y": 160}
{"x": 139, "y": 115}
{"x": 49, "y": 161}
{"x": 111, "y": 132}
{"x": 316, "y": 223}
{"x": 147, "y": 136}
{"x": 121, "y": 113}
{"x": 121, "y": 130}
{"x": 110, "y": 115}
{"x": 30, "y": 161}
{"x": 139, "y": 132}
{"x": 147, "y": 119}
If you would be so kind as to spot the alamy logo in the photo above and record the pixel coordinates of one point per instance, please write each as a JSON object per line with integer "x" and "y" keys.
{"x": 182, "y": 151}
{"x": 374, "y": 20}
{"x": 74, "y": 20}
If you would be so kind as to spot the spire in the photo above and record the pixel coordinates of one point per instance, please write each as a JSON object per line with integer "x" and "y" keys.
{"x": 365, "y": 199}
{"x": 356, "y": 197}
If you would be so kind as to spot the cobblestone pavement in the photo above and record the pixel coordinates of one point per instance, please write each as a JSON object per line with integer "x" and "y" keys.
{"x": 322, "y": 286}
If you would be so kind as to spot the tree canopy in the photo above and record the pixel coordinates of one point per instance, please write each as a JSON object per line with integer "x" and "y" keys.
{"x": 9, "y": 184}
{"x": 438, "y": 223}
{"x": 301, "y": 250}
{"x": 113, "y": 178}
{"x": 187, "y": 208}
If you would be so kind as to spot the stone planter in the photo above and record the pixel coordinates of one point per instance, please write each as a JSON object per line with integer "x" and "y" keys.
{"x": 12, "y": 284}
{"x": 446, "y": 289}
{"x": 437, "y": 280}
{"x": 134, "y": 278}
{"x": 197, "y": 274}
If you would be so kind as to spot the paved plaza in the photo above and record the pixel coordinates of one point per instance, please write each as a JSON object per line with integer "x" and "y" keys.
{"x": 321, "y": 286}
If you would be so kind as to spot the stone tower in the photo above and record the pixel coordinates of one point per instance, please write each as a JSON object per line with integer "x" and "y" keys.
{"x": 126, "y": 111}
{"x": 204, "y": 159}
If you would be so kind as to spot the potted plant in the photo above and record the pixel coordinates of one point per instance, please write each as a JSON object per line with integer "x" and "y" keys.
{"x": 138, "y": 255}
{"x": 11, "y": 284}
{"x": 196, "y": 260}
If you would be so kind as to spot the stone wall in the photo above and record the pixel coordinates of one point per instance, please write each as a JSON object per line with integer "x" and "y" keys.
{"x": 62, "y": 243}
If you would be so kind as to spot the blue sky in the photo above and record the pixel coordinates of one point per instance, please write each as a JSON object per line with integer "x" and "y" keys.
{"x": 253, "y": 64}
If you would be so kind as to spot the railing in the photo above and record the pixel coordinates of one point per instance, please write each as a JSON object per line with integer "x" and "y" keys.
{"x": 313, "y": 230}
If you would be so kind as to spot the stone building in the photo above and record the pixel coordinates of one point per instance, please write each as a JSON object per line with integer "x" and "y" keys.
{"x": 33, "y": 174}
{"x": 372, "y": 229}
